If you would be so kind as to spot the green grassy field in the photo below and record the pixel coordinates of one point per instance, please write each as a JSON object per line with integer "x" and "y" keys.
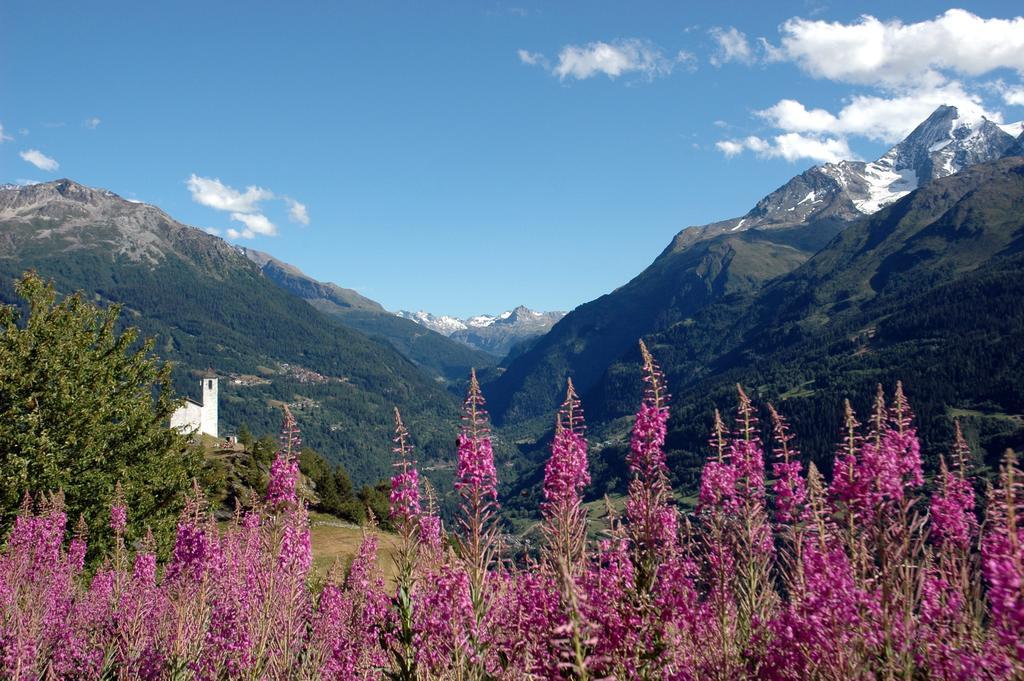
{"x": 334, "y": 541}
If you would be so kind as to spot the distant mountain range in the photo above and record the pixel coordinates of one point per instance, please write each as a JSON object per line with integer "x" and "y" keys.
{"x": 433, "y": 352}
{"x": 211, "y": 305}
{"x": 494, "y": 334}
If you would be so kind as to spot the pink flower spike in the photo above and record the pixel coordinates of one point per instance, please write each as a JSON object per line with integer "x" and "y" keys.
{"x": 284, "y": 471}
{"x": 566, "y": 474}
{"x": 118, "y": 511}
{"x": 405, "y": 484}
{"x": 475, "y": 474}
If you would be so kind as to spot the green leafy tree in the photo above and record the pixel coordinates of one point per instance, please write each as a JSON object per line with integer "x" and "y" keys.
{"x": 83, "y": 407}
{"x": 333, "y": 487}
{"x": 377, "y": 499}
{"x": 343, "y": 483}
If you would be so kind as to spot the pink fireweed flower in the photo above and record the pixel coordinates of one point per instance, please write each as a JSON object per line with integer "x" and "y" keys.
{"x": 718, "y": 478}
{"x": 284, "y": 471}
{"x": 295, "y": 552}
{"x": 717, "y": 485}
{"x": 430, "y": 531}
{"x": 476, "y": 466}
{"x": 118, "y": 512}
{"x": 898, "y": 444}
{"x": 78, "y": 546}
{"x": 816, "y": 633}
{"x": 525, "y": 612}
{"x": 565, "y": 476}
{"x": 745, "y": 451}
{"x": 566, "y": 473}
{"x": 790, "y": 491}
{"x": 194, "y": 547}
{"x": 443, "y": 618}
{"x": 952, "y": 511}
{"x": 144, "y": 569}
{"x": 351, "y": 620}
{"x": 118, "y": 518}
{"x": 405, "y": 484}
{"x": 872, "y": 473}
{"x": 475, "y": 474}
{"x": 790, "y": 488}
{"x": 191, "y": 551}
{"x": 405, "y": 494}
{"x": 852, "y": 472}
{"x": 1002, "y": 553}
{"x": 646, "y": 456}
{"x": 652, "y": 520}
{"x": 610, "y": 620}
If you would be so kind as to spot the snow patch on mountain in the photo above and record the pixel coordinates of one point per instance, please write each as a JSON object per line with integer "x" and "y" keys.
{"x": 443, "y": 324}
{"x": 884, "y": 185}
{"x": 1013, "y": 129}
{"x": 495, "y": 334}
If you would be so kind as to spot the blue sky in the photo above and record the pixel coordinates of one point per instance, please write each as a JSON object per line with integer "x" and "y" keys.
{"x": 467, "y": 157}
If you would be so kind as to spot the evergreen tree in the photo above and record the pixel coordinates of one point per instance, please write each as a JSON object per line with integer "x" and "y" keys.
{"x": 245, "y": 437}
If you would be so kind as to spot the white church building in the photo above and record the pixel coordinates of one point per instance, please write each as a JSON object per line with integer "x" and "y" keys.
{"x": 199, "y": 417}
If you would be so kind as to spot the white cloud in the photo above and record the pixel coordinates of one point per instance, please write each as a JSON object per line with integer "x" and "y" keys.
{"x": 212, "y": 230}
{"x": 790, "y": 114}
{"x": 92, "y": 123}
{"x": 297, "y": 211}
{"x": 3, "y": 137}
{"x": 883, "y": 119}
{"x": 1014, "y": 96}
{"x": 40, "y": 160}
{"x": 687, "y": 59}
{"x": 217, "y": 195}
{"x": 732, "y": 46}
{"x": 255, "y": 223}
{"x": 244, "y": 207}
{"x": 532, "y": 58}
{"x": 730, "y": 147}
{"x": 908, "y": 71}
{"x": 791, "y": 146}
{"x": 891, "y": 53}
{"x": 611, "y": 59}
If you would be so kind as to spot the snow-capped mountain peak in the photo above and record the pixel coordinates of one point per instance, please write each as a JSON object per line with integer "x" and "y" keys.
{"x": 943, "y": 144}
{"x": 482, "y": 320}
{"x": 443, "y": 324}
{"x": 495, "y": 334}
